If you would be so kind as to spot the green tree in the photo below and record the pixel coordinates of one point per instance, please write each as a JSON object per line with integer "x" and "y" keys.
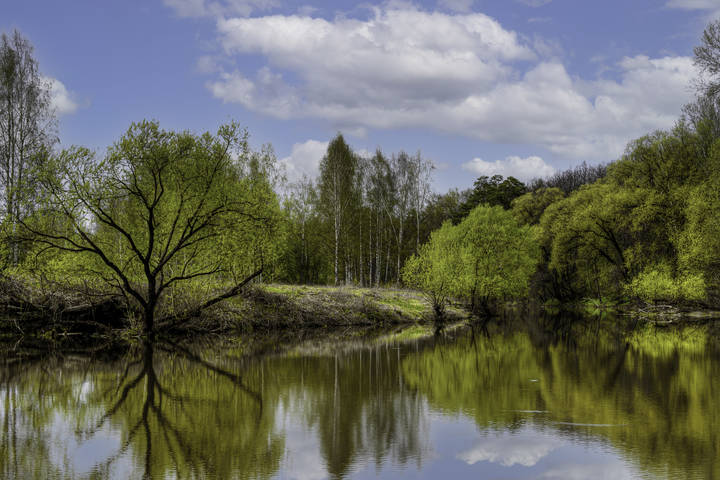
{"x": 589, "y": 236}
{"x": 529, "y": 207}
{"x": 486, "y": 258}
{"x": 161, "y": 210}
{"x": 434, "y": 269}
{"x": 497, "y": 255}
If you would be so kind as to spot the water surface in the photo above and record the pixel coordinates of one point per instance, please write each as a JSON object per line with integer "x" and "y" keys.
{"x": 554, "y": 398}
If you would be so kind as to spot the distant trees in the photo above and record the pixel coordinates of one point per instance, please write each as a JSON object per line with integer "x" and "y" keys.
{"x": 27, "y": 135}
{"x": 160, "y": 211}
{"x": 492, "y": 191}
{"x": 571, "y": 179}
{"x": 366, "y": 227}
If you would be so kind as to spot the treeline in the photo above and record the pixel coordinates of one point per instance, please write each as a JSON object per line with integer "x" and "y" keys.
{"x": 362, "y": 218}
{"x": 643, "y": 227}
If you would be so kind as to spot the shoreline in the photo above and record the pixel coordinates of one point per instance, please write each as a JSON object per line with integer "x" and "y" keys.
{"x": 289, "y": 308}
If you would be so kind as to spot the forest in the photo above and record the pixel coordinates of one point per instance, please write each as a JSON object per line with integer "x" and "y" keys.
{"x": 166, "y": 225}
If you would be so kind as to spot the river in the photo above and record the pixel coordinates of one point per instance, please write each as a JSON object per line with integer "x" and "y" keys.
{"x": 555, "y": 397}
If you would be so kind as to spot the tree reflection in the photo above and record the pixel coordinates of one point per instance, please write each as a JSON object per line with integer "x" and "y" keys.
{"x": 650, "y": 392}
{"x": 170, "y": 411}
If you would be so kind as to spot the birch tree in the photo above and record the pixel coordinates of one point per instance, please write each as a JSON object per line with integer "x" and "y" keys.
{"x": 336, "y": 185}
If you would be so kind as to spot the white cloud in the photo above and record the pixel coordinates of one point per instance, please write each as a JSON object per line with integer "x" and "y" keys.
{"x": 400, "y": 58}
{"x": 457, "y": 5}
{"x": 218, "y": 8}
{"x": 458, "y": 73}
{"x": 304, "y": 159}
{"x": 508, "y": 449}
{"x": 60, "y": 98}
{"x": 524, "y": 169}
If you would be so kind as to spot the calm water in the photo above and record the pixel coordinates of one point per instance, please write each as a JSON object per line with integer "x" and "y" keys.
{"x": 550, "y": 399}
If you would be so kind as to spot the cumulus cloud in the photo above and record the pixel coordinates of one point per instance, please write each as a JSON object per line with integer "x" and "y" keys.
{"x": 304, "y": 159}
{"x": 508, "y": 449}
{"x": 404, "y": 67}
{"x": 524, "y": 169}
{"x": 61, "y": 100}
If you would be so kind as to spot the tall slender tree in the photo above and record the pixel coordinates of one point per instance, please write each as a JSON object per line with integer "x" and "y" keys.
{"x": 27, "y": 133}
{"x": 337, "y": 179}
{"x": 422, "y": 171}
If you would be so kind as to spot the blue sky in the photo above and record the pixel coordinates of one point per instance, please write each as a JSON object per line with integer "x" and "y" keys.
{"x": 521, "y": 87}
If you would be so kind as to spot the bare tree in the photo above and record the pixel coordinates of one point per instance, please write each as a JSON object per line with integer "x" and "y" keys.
{"x": 707, "y": 59}
{"x": 422, "y": 173}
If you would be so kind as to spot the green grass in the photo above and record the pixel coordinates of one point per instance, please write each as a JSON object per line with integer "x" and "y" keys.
{"x": 407, "y": 303}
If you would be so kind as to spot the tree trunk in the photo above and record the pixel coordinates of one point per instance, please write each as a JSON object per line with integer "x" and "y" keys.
{"x": 360, "y": 265}
{"x": 417, "y": 229}
{"x": 400, "y": 238}
{"x": 149, "y": 319}
{"x": 377, "y": 253}
{"x": 337, "y": 245}
{"x": 387, "y": 263}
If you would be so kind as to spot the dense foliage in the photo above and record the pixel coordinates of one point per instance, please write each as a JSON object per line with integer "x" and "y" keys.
{"x": 487, "y": 257}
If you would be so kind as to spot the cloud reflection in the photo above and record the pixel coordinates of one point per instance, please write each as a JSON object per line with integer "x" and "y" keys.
{"x": 506, "y": 449}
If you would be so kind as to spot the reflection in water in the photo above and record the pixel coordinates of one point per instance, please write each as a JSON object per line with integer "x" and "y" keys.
{"x": 161, "y": 409}
{"x": 509, "y": 449}
{"x": 556, "y": 398}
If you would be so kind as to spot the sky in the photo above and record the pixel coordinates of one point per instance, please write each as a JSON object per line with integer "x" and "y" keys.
{"x": 480, "y": 87}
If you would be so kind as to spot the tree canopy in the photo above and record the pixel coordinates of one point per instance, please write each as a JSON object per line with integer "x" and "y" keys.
{"x": 486, "y": 258}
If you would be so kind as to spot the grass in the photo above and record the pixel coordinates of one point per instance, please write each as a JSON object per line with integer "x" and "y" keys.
{"x": 275, "y": 306}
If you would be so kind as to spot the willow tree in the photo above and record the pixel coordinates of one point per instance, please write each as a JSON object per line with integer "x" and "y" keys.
{"x": 161, "y": 210}
{"x": 433, "y": 270}
{"x": 498, "y": 257}
{"x": 487, "y": 258}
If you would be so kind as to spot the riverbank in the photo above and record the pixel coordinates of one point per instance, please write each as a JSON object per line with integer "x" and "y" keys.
{"x": 279, "y": 306}
{"x": 261, "y": 308}
{"x": 26, "y": 309}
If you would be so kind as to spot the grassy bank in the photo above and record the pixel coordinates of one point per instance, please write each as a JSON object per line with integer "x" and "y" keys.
{"x": 298, "y": 306}
{"x": 28, "y": 310}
